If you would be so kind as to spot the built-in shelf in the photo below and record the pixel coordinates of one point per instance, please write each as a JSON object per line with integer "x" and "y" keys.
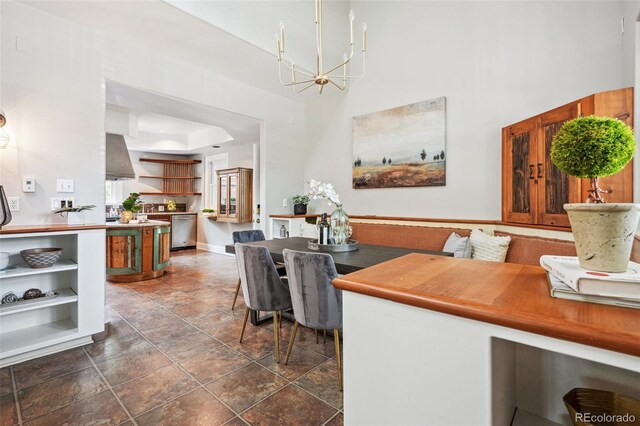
{"x": 66, "y": 295}
{"x": 22, "y": 270}
{"x": 162, "y": 161}
{"x": 170, "y": 177}
{"x": 175, "y": 194}
{"x": 31, "y": 338}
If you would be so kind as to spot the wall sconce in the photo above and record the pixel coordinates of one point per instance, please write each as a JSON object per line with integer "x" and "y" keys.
{"x": 4, "y": 137}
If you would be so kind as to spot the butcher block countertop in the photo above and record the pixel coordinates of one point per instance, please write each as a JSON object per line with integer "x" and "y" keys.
{"x": 27, "y": 229}
{"x": 150, "y": 223}
{"x": 505, "y": 294}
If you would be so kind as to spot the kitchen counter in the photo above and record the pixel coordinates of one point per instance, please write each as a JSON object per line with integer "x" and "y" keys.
{"x": 150, "y": 223}
{"x": 137, "y": 251}
{"x": 166, "y": 213}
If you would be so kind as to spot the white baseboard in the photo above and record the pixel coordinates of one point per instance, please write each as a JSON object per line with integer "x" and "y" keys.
{"x": 212, "y": 248}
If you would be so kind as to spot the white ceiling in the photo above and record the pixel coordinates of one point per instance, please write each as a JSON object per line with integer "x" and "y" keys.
{"x": 232, "y": 38}
{"x": 159, "y": 123}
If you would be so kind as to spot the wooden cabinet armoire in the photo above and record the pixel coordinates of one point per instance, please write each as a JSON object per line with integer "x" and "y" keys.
{"x": 533, "y": 189}
{"x": 235, "y": 195}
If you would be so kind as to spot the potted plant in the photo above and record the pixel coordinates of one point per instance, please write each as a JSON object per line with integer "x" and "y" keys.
{"x": 132, "y": 204}
{"x": 300, "y": 204}
{"x": 593, "y": 147}
{"x": 75, "y": 215}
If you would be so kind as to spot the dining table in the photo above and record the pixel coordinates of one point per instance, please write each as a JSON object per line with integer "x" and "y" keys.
{"x": 346, "y": 261}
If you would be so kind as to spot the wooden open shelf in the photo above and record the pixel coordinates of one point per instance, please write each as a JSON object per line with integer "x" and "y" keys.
{"x": 161, "y": 161}
{"x": 170, "y": 177}
{"x": 178, "y": 177}
{"x": 175, "y": 194}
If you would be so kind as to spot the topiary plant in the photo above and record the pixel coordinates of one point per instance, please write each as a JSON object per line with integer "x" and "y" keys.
{"x": 593, "y": 147}
{"x": 132, "y": 203}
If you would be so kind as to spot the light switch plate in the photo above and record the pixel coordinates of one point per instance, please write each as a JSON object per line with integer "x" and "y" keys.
{"x": 28, "y": 184}
{"x": 64, "y": 185}
{"x": 14, "y": 204}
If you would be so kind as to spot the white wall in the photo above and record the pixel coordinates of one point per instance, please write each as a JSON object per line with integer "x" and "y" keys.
{"x": 54, "y": 97}
{"x": 496, "y": 62}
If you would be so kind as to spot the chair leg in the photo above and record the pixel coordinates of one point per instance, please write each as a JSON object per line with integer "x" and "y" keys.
{"x": 293, "y": 337}
{"x": 276, "y": 337}
{"x": 316, "y": 335}
{"x": 233, "y": 305}
{"x": 336, "y": 338}
{"x": 244, "y": 324}
{"x": 324, "y": 336}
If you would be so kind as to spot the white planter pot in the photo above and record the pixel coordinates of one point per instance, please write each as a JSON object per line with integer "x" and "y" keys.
{"x": 75, "y": 218}
{"x": 604, "y": 234}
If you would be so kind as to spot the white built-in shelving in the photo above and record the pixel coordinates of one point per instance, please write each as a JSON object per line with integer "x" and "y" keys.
{"x": 36, "y": 327}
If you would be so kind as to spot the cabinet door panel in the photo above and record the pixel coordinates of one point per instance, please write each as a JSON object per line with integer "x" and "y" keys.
{"x": 518, "y": 172}
{"x": 123, "y": 251}
{"x": 161, "y": 248}
{"x": 556, "y": 188}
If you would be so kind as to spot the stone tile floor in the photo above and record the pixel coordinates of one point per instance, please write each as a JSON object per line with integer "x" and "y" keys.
{"x": 171, "y": 357}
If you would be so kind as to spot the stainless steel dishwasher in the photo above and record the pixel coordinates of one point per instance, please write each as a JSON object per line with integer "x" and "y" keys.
{"x": 183, "y": 231}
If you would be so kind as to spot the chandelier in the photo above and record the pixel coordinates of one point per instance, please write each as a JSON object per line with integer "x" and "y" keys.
{"x": 321, "y": 77}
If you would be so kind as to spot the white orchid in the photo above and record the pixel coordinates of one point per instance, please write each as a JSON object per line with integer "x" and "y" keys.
{"x": 319, "y": 190}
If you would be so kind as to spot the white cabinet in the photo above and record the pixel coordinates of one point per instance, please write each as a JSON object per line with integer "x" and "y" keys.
{"x": 297, "y": 226}
{"x": 38, "y": 327}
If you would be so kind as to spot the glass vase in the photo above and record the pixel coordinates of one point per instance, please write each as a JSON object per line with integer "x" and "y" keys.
{"x": 340, "y": 226}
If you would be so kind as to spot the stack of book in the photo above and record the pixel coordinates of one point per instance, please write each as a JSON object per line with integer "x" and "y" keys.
{"x": 567, "y": 280}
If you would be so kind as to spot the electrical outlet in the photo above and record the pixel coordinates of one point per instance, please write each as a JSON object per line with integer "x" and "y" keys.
{"x": 285, "y": 202}
{"x": 58, "y": 202}
{"x": 64, "y": 185}
{"x": 14, "y": 204}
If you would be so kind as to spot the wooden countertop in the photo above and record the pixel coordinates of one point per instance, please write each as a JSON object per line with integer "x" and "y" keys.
{"x": 150, "y": 223}
{"x": 509, "y": 295}
{"x": 26, "y": 229}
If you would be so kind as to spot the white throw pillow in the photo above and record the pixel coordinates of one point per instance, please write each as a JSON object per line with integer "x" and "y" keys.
{"x": 486, "y": 247}
{"x": 459, "y": 246}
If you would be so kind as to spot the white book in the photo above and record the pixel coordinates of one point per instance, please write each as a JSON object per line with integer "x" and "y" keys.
{"x": 558, "y": 289}
{"x": 623, "y": 284}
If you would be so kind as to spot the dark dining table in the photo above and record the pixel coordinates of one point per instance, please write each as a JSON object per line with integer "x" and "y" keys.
{"x": 346, "y": 262}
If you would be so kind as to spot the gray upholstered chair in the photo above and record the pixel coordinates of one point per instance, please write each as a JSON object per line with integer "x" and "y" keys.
{"x": 248, "y": 237}
{"x": 262, "y": 287}
{"x": 316, "y": 302}
{"x": 245, "y": 237}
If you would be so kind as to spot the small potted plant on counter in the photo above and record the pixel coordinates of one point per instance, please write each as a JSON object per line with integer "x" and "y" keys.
{"x": 75, "y": 215}
{"x": 210, "y": 214}
{"x": 132, "y": 204}
{"x": 300, "y": 204}
{"x": 593, "y": 147}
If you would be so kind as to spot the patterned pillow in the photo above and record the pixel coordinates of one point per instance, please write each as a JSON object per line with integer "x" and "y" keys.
{"x": 486, "y": 247}
{"x": 459, "y": 246}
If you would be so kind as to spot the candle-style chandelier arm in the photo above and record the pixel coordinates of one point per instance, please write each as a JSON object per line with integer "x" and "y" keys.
{"x": 320, "y": 78}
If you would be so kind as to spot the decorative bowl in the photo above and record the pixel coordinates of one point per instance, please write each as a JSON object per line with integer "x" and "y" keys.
{"x": 41, "y": 257}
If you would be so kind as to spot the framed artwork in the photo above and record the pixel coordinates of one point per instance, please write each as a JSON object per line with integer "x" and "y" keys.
{"x": 401, "y": 147}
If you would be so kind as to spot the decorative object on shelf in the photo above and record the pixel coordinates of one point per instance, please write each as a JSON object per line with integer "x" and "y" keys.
{"x": 4, "y": 260}
{"x": 75, "y": 215}
{"x": 593, "y": 147}
{"x": 401, "y": 147}
{"x": 132, "y": 204}
{"x": 611, "y": 407}
{"x": 4, "y": 137}
{"x": 41, "y": 257}
{"x": 300, "y": 204}
{"x": 283, "y": 232}
{"x": 5, "y": 213}
{"x": 32, "y": 293}
{"x": 208, "y": 210}
{"x": 9, "y": 297}
{"x": 320, "y": 77}
{"x": 171, "y": 205}
{"x": 350, "y": 245}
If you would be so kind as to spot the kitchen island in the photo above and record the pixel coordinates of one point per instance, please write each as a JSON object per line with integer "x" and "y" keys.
{"x": 137, "y": 251}
{"x": 474, "y": 342}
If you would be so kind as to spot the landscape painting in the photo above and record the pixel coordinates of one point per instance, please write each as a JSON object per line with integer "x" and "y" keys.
{"x": 401, "y": 147}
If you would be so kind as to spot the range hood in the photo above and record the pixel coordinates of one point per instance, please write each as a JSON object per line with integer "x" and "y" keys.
{"x": 119, "y": 165}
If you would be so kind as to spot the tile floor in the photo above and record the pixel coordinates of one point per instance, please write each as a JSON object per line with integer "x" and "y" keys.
{"x": 171, "y": 357}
